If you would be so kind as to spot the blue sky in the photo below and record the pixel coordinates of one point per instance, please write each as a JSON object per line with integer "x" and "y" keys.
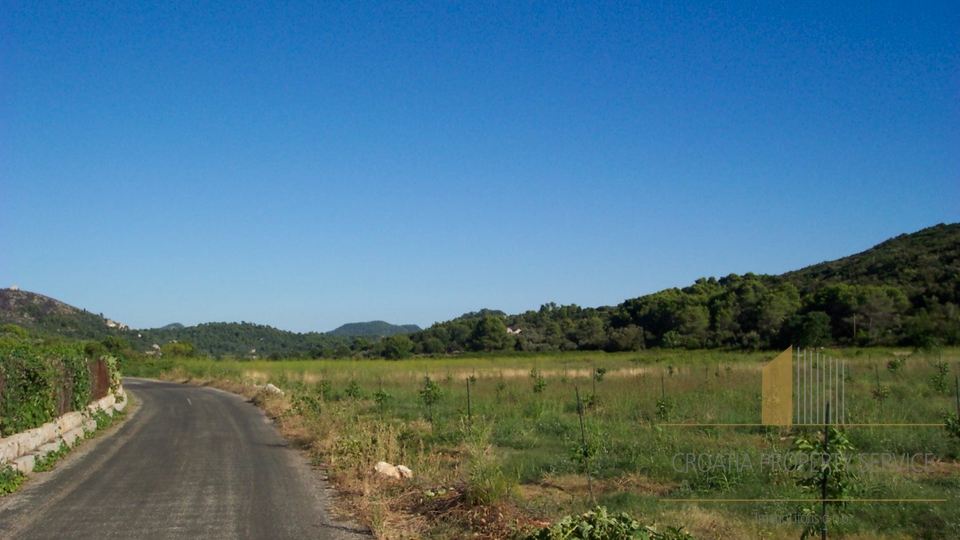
{"x": 307, "y": 164}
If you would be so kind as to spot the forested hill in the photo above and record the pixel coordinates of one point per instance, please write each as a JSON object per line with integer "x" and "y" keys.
{"x": 241, "y": 340}
{"x": 904, "y": 291}
{"x": 926, "y": 263}
{"x": 42, "y": 315}
{"x": 373, "y": 328}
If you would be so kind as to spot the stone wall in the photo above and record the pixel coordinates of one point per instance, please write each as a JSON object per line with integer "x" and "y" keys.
{"x": 22, "y": 450}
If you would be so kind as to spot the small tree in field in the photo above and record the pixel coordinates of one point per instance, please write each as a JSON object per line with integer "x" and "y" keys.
{"x": 430, "y": 393}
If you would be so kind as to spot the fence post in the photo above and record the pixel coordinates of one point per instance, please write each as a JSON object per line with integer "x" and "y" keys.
{"x": 826, "y": 473}
{"x": 583, "y": 440}
{"x": 469, "y": 412}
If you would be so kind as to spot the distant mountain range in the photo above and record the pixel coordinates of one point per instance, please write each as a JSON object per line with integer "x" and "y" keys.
{"x": 41, "y": 314}
{"x": 904, "y": 291}
{"x": 373, "y": 328}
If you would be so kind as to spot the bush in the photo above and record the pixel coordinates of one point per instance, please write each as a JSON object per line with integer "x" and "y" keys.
{"x": 597, "y": 524}
{"x": 14, "y": 330}
{"x": 10, "y": 480}
{"x": 37, "y": 384}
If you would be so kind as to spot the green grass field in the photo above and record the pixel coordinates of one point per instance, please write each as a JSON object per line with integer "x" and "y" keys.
{"x": 522, "y": 439}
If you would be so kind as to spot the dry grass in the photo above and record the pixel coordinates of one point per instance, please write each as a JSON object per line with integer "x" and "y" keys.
{"x": 349, "y": 436}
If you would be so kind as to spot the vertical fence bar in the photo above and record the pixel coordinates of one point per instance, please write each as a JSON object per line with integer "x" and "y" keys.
{"x": 823, "y": 384}
{"x": 806, "y": 381}
{"x": 836, "y": 414}
{"x": 804, "y": 391}
{"x": 829, "y": 386}
{"x": 833, "y": 388}
{"x": 797, "y": 414}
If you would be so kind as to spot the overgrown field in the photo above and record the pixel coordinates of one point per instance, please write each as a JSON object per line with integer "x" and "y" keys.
{"x": 517, "y": 450}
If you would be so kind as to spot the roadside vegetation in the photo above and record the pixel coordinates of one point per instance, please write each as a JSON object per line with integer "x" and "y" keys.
{"x": 514, "y": 456}
{"x": 42, "y": 378}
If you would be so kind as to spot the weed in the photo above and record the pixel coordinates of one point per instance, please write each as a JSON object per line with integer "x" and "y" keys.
{"x": 539, "y": 383}
{"x": 324, "y": 388}
{"x": 10, "y": 480}
{"x": 952, "y": 424}
{"x": 381, "y": 398}
{"x": 353, "y": 390}
{"x": 895, "y": 365}
{"x": 306, "y": 405}
{"x": 598, "y": 524}
{"x": 664, "y": 406}
{"x": 430, "y": 394}
{"x": 47, "y": 462}
{"x": 939, "y": 379}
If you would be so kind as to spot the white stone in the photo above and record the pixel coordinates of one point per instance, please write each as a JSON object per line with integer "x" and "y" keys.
{"x": 90, "y": 425}
{"x": 25, "y": 464}
{"x": 31, "y": 439}
{"x": 49, "y": 447}
{"x": 389, "y": 471}
{"x": 73, "y": 436}
{"x": 70, "y": 421}
{"x": 7, "y": 451}
{"x": 49, "y": 431}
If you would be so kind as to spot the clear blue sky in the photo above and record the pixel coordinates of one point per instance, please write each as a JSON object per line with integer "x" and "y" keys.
{"x": 307, "y": 164}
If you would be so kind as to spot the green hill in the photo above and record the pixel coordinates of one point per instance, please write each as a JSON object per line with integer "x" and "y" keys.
{"x": 242, "y": 340}
{"x": 922, "y": 264}
{"x": 42, "y": 315}
{"x": 903, "y": 292}
{"x": 373, "y": 329}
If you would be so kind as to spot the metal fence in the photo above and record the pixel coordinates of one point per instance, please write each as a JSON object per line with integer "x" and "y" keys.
{"x": 821, "y": 380}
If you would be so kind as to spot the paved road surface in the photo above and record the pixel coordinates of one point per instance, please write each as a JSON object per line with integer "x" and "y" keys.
{"x": 191, "y": 463}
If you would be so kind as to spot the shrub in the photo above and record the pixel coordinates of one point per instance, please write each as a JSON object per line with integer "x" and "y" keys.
{"x": 430, "y": 394}
{"x": 10, "y": 480}
{"x": 939, "y": 379}
{"x": 952, "y": 424}
{"x": 37, "y": 384}
{"x": 597, "y": 524}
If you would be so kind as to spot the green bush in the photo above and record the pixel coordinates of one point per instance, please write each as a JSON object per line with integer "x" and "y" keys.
{"x": 37, "y": 384}
{"x": 10, "y": 480}
{"x": 597, "y": 524}
{"x": 14, "y": 330}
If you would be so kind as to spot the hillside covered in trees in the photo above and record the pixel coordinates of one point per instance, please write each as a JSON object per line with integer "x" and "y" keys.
{"x": 904, "y": 291}
{"x": 373, "y": 329}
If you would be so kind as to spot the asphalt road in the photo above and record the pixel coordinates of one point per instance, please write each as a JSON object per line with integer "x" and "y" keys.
{"x": 190, "y": 463}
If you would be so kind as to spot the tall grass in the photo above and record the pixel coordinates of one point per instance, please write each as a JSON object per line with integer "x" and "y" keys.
{"x": 518, "y": 434}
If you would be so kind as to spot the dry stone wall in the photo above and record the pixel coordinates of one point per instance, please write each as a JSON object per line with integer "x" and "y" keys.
{"x": 22, "y": 450}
